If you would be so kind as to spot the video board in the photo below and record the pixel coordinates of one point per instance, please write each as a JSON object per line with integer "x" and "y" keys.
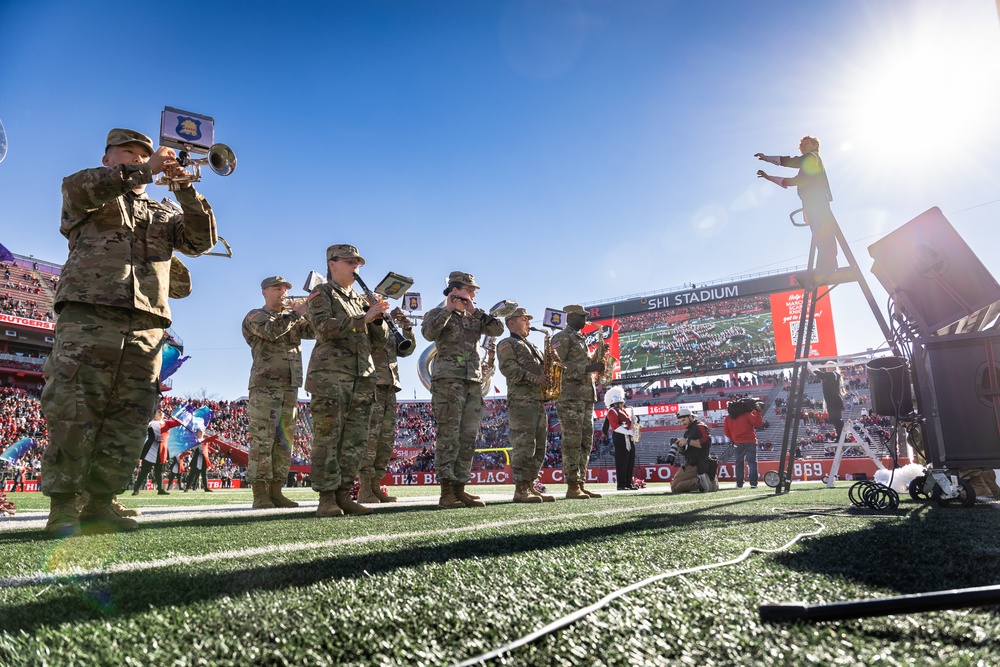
{"x": 709, "y": 330}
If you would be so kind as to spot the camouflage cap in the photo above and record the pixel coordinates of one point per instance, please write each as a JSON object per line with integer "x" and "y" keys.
{"x": 120, "y": 136}
{"x": 519, "y": 312}
{"x": 462, "y": 277}
{"x": 343, "y": 251}
{"x": 274, "y": 280}
{"x": 575, "y": 308}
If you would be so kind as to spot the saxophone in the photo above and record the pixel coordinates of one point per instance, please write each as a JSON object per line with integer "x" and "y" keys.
{"x": 552, "y": 368}
{"x": 636, "y": 427}
{"x": 607, "y": 376}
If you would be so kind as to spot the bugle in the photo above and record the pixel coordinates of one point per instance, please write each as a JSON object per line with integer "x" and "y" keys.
{"x": 403, "y": 344}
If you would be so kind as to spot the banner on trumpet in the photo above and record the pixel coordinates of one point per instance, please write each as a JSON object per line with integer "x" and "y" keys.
{"x": 186, "y": 131}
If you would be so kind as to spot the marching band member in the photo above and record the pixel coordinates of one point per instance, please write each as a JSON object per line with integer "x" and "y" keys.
{"x": 456, "y": 389}
{"x": 274, "y": 335}
{"x": 382, "y": 434}
{"x": 575, "y": 405}
{"x": 341, "y": 379}
{"x": 522, "y": 364}
{"x": 102, "y": 377}
{"x": 620, "y": 424}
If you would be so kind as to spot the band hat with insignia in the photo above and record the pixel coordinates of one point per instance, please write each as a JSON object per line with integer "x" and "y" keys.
{"x": 574, "y": 308}
{"x": 462, "y": 277}
{"x": 120, "y": 136}
{"x": 274, "y": 280}
{"x": 343, "y": 251}
{"x": 519, "y": 312}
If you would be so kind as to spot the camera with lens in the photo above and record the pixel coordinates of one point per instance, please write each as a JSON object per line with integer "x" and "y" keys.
{"x": 741, "y": 406}
{"x": 672, "y": 452}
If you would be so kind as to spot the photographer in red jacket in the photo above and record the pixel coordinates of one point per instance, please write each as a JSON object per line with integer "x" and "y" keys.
{"x": 744, "y": 417}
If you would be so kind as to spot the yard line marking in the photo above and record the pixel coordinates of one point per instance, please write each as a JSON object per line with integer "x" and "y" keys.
{"x": 77, "y": 574}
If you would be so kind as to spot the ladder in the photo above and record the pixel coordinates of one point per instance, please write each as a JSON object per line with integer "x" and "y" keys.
{"x": 813, "y": 291}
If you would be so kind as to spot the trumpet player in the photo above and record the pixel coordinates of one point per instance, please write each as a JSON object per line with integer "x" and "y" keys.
{"x": 456, "y": 389}
{"x": 575, "y": 405}
{"x": 382, "y": 433}
{"x": 523, "y": 365}
{"x": 274, "y": 334}
{"x": 341, "y": 379}
{"x": 102, "y": 378}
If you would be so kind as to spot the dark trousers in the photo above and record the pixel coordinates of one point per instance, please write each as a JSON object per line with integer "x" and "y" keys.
{"x": 192, "y": 479}
{"x": 171, "y": 476}
{"x": 624, "y": 461}
{"x": 157, "y": 469}
{"x": 746, "y": 454}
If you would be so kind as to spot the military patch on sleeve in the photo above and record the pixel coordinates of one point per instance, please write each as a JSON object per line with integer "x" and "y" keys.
{"x": 556, "y": 344}
{"x": 503, "y": 345}
{"x": 313, "y": 295}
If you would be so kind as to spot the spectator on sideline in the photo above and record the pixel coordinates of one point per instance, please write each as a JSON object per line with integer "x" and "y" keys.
{"x": 101, "y": 377}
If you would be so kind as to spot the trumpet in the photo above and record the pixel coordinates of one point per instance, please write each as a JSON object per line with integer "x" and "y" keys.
{"x": 290, "y": 302}
{"x": 403, "y": 344}
{"x": 221, "y": 159}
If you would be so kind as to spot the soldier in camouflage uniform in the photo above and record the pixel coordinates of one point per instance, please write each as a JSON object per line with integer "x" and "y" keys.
{"x": 102, "y": 377}
{"x": 456, "y": 384}
{"x": 522, "y": 364}
{"x": 575, "y": 405}
{"x": 274, "y": 335}
{"x": 382, "y": 435}
{"x": 341, "y": 379}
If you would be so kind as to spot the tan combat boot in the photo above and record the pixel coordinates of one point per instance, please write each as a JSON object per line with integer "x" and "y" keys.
{"x": 328, "y": 505}
{"x": 523, "y": 495}
{"x": 448, "y": 499}
{"x": 382, "y": 496}
{"x": 544, "y": 496}
{"x": 574, "y": 491}
{"x": 261, "y": 496}
{"x": 464, "y": 497}
{"x": 278, "y": 499}
{"x": 120, "y": 509}
{"x": 365, "y": 494}
{"x": 64, "y": 516}
{"x": 591, "y": 494}
{"x": 345, "y": 503}
{"x": 99, "y": 516}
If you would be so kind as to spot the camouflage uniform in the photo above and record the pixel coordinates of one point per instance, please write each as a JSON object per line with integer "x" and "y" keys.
{"x": 275, "y": 341}
{"x": 575, "y": 405}
{"x": 521, "y": 364}
{"x": 341, "y": 380}
{"x": 102, "y": 377}
{"x": 456, "y": 386}
{"x": 382, "y": 434}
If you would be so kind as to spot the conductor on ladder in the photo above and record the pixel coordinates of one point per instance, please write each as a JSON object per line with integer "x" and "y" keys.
{"x": 814, "y": 191}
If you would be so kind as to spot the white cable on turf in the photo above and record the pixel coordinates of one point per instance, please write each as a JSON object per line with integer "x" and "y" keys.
{"x": 569, "y": 619}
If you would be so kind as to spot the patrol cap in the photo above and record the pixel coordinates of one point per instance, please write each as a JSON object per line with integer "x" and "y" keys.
{"x": 120, "y": 136}
{"x": 343, "y": 251}
{"x": 274, "y": 280}
{"x": 462, "y": 277}
{"x": 575, "y": 308}
{"x": 684, "y": 412}
{"x": 518, "y": 312}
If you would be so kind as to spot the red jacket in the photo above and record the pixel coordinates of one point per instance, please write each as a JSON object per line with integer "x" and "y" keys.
{"x": 741, "y": 429}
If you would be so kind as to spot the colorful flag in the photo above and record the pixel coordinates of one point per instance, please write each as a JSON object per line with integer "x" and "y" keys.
{"x": 18, "y": 449}
{"x": 182, "y": 438}
{"x": 171, "y": 359}
{"x": 5, "y": 255}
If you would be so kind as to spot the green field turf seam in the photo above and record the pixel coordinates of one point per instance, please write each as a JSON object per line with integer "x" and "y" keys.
{"x": 75, "y": 575}
{"x": 575, "y": 616}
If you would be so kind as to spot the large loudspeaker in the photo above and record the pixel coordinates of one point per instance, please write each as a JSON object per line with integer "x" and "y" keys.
{"x": 958, "y": 379}
{"x": 931, "y": 271}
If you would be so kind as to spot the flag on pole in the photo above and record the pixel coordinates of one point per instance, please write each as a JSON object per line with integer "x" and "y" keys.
{"x": 5, "y": 255}
{"x": 17, "y": 450}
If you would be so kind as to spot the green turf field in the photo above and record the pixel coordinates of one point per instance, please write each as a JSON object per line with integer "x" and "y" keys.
{"x": 207, "y": 581}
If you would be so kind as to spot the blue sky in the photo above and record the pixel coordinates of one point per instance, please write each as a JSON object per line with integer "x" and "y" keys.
{"x": 562, "y": 152}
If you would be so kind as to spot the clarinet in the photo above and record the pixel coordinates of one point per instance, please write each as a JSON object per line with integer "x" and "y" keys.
{"x": 403, "y": 344}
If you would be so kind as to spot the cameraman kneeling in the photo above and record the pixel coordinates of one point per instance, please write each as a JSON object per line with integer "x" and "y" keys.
{"x": 698, "y": 471}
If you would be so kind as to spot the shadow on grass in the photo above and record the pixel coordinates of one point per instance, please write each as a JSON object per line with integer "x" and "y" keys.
{"x": 929, "y": 548}
{"x": 122, "y": 594}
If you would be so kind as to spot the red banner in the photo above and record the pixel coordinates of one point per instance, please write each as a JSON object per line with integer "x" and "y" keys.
{"x": 786, "y": 311}
{"x": 27, "y": 322}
